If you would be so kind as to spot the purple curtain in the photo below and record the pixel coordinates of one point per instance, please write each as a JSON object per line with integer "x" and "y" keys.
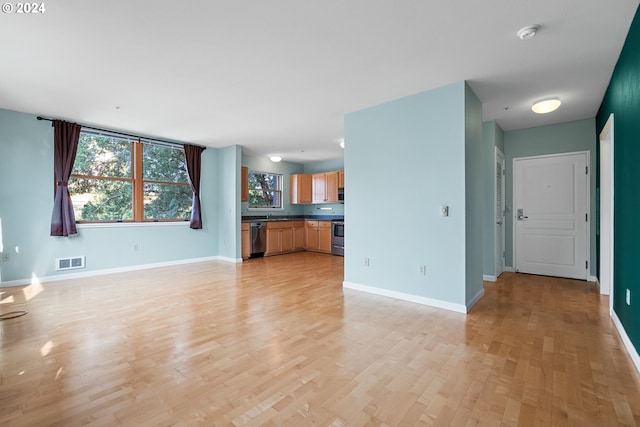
{"x": 192, "y": 155}
{"x": 65, "y": 140}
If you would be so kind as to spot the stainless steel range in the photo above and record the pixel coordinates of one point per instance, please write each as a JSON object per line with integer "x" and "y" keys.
{"x": 337, "y": 237}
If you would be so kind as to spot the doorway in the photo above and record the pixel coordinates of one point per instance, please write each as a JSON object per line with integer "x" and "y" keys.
{"x": 499, "y": 212}
{"x": 551, "y": 215}
{"x": 606, "y": 209}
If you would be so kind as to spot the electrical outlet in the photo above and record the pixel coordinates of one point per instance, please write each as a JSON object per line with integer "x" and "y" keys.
{"x": 423, "y": 270}
{"x": 628, "y": 297}
{"x": 135, "y": 247}
{"x": 6, "y": 257}
{"x": 366, "y": 262}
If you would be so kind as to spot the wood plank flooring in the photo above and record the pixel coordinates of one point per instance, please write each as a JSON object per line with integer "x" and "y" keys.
{"x": 278, "y": 342}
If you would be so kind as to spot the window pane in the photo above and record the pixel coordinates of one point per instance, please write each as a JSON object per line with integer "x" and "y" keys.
{"x": 101, "y": 199}
{"x": 264, "y": 199}
{"x": 167, "y": 201}
{"x": 103, "y": 156}
{"x": 163, "y": 164}
{"x": 264, "y": 181}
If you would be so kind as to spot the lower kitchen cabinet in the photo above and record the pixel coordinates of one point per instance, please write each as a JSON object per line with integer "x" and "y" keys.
{"x": 246, "y": 240}
{"x": 279, "y": 237}
{"x": 298, "y": 235}
{"x": 318, "y": 236}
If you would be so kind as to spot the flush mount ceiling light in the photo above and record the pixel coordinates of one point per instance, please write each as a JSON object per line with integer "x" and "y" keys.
{"x": 546, "y": 106}
{"x": 528, "y": 32}
{"x": 342, "y": 143}
{"x": 275, "y": 159}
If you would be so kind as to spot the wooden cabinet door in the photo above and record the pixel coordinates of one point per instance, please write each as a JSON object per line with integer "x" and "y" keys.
{"x": 331, "y": 187}
{"x": 341, "y": 179}
{"x": 324, "y": 236}
{"x": 298, "y": 236}
{"x": 273, "y": 241}
{"x": 300, "y": 189}
{"x": 311, "y": 235}
{"x": 244, "y": 185}
{"x": 246, "y": 241}
{"x": 319, "y": 187}
{"x": 286, "y": 240}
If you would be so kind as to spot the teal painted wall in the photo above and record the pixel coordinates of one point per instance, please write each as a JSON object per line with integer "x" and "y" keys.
{"x": 492, "y": 137}
{"x": 229, "y": 216}
{"x": 623, "y": 100}
{"x": 553, "y": 139}
{"x": 26, "y": 200}
{"x": 403, "y": 159}
{"x": 474, "y": 193}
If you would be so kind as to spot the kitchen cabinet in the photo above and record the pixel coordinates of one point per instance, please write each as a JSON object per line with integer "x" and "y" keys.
{"x": 246, "y": 240}
{"x": 300, "y": 188}
{"x": 298, "y": 235}
{"x": 325, "y": 187}
{"x": 244, "y": 184}
{"x": 318, "y": 236}
{"x": 340, "y": 179}
{"x": 279, "y": 237}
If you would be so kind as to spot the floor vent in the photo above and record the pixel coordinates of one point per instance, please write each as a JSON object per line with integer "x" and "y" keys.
{"x": 70, "y": 263}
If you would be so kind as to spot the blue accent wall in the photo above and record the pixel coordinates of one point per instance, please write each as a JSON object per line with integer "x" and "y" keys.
{"x": 26, "y": 200}
{"x": 622, "y": 99}
{"x": 403, "y": 160}
{"x": 228, "y": 212}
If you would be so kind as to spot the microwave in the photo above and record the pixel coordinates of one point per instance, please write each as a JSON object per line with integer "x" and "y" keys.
{"x": 341, "y": 195}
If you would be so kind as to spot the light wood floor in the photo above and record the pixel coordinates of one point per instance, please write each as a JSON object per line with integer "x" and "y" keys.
{"x": 277, "y": 341}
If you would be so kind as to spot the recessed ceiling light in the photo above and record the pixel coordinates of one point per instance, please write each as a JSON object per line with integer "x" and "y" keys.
{"x": 528, "y": 32}
{"x": 275, "y": 159}
{"x": 546, "y": 106}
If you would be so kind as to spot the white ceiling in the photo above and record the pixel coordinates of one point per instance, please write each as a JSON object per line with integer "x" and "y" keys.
{"x": 278, "y": 76}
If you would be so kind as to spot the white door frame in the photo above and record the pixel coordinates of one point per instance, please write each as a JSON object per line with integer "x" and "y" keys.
{"x": 587, "y": 202}
{"x": 499, "y": 247}
{"x": 606, "y": 278}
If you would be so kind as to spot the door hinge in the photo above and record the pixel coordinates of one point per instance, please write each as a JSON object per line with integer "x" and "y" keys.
{"x": 586, "y": 217}
{"x": 586, "y": 170}
{"x": 586, "y": 264}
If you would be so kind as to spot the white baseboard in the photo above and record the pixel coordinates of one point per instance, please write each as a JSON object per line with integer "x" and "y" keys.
{"x": 625, "y": 339}
{"x": 509, "y": 269}
{"x": 460, "y": 308}
{"x": 60, "y": 277}
{"x": 487, "y": 278}
{"x": 475, "y": 299}
{"x": 228, "y": 259}
{"x": 593, "y": 279}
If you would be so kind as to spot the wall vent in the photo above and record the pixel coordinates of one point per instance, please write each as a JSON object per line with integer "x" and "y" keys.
{"x": 70, "y": 263}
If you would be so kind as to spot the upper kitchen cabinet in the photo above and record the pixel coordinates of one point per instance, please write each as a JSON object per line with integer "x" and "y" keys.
{"x": 244, "y": 182}
{"x": 340, "y": 179}
{"x": 300, "y": 189}
{"x": 325, "y": 187}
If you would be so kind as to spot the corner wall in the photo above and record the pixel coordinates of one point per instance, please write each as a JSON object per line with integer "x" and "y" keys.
{"x": 403, "y": 160}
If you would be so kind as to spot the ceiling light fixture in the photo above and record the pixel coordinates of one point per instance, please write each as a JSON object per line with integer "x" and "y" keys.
{"x": 342, "y": 143}
{"x": 275, "y": 159}
{"x": 546, "y": 106}
{"x": 528, "y": 32}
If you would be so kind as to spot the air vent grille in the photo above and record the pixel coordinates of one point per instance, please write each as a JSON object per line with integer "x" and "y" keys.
{"x": 70, "y": 263}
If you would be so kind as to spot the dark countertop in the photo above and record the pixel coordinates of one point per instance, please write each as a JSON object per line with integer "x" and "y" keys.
{"x": 291, "y": 218}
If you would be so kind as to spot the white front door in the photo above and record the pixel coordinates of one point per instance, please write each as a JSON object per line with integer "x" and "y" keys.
{"x": 551, "y": 215}
{"x": 499, "y": 212}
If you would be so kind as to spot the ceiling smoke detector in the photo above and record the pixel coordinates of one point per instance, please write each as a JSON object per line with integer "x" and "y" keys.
{"x": 527, "y": 33}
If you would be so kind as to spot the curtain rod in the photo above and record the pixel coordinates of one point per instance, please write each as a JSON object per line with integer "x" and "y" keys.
{"x": 125, "y": 134}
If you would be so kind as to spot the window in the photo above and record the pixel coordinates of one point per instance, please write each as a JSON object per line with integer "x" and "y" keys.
{"x": 265, "y": 190}
{"x": 116, "y": 178}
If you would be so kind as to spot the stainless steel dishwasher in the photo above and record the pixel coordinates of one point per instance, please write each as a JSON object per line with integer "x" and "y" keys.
{"x": 258, "y": 238}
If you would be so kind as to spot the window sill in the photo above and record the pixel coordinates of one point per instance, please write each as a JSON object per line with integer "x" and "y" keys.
{"x": 132, "y": 224}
